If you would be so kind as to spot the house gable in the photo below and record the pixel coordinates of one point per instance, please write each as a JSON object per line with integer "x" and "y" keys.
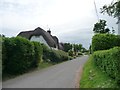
{"x": 39, "y": 39}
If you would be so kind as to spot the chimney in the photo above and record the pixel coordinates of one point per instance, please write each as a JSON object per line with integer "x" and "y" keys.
{"x": 49, "y": 31}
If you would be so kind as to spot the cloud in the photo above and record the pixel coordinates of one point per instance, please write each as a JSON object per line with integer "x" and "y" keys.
{"x": 70, "y": 20}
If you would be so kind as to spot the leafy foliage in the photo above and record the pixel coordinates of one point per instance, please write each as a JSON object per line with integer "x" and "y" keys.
{"x": 71, "y": 53}
{"x": 100, "y": 27}
{"x": 58, "y": 56}
{"x": 67, "y": 47}
{"x": 93, "y": 77}
{"x": 38, "y": 52}
{"x": 19, "y": 55}
{"x": 77, "y": 47}
{"x": 112, "y": 10}
{"x": 109, "y": 62}
{"x": 55, "y": 56}
{"x": 105, "y": 41}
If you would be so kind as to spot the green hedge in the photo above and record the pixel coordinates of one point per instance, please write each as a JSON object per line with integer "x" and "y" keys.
{"x": 105, "y": 41}
{"x": 38, "y": 52}
{"x": 54, "y": 55}
{"x": 109, "y": 62}
{"x": 19, "y": 55}
{"x": 58, "y": 56}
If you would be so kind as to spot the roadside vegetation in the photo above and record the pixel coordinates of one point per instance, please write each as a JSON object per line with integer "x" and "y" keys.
{"x": 20, "y": 56}
{"x": 102, "y": 70}
{"x": 93, "y": 77}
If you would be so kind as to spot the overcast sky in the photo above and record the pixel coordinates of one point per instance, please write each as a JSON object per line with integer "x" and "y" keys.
{"x": 70, "y": 20}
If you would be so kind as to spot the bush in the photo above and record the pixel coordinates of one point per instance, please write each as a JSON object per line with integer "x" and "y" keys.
{"x": 38, "y": 54}
{"x": 105, "y": 41}
{"x": 46, "y": 53}
{"x": 58, "y": 56}
{"x": 109, "y": 62}
{"x": 80, "y": 53}
{"x": 53, "y": 55}
{"x": 19, "y": 55}
{"x": 63, "y": 55}
{"x": 3, "y": 54}
{"x": 71, "y": 53}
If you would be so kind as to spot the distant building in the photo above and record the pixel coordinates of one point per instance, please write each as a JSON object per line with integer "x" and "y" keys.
{"x": 42, "y": 36}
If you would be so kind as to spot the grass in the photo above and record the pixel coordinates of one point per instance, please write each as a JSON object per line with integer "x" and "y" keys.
{"x": 44, "y": 65}
{"x": 92, "y": 77}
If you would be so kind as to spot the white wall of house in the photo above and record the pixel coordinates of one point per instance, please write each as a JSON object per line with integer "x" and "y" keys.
{"x": 39, "y": 39}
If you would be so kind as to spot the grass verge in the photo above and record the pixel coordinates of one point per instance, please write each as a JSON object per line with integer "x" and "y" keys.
{"x": 92, "y": 77}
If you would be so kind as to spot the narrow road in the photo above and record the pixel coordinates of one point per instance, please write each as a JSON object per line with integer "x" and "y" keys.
{"x": 58, "y": 76}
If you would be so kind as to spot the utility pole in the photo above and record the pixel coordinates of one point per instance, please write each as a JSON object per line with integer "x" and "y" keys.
{"x": 96, "y": 10}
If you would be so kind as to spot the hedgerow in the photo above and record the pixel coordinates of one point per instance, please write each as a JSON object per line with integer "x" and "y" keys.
{"x": 38, "y": 53}
{"x": 105, "y": 41}
{"x": 19, "y": 55}
{"x": 58, "y": 56}
{"x": 109, "y": 62}
{"x": 54, "y": 55}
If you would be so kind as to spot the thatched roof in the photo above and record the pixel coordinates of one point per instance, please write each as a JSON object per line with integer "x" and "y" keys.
{"x": 61, "y": 46}
{"x": 51, "y": 41}
{"x": 55, "y": 39}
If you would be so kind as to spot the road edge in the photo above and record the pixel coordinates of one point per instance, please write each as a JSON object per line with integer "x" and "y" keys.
{"x": 78, "y": 77}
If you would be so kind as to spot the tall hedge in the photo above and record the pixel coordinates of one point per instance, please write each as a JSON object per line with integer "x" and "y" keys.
{"x": 54, "y": 55}
{"x": 19, "y": 55}
{"x": 58, "y": 56}
{"x": 105, "y": 41}
{"x": 109, "y": 62}
{"x": 38, "y": 53}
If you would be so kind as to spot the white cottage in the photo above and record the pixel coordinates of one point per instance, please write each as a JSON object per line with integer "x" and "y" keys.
{"x": 42, "y": 36}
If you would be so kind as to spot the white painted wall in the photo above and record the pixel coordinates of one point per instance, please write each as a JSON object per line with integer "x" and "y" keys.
{"x": 39, "y": 39}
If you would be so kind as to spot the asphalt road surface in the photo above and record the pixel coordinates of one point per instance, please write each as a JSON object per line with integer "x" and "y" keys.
{"x": 58, "y": 76}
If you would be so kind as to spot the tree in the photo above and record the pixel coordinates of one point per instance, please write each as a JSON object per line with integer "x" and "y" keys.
{"x": 67, "y": 47}
{"x": 112, "y": 10}
{"x": 80, "y": 47}
{"x": 1, "y": 35}
{"x": 100, "y": 27}
{"x": 77, "y": 47}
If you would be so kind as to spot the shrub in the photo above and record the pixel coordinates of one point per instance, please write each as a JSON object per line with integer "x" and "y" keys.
{"x": 80, "y": 53}
{"x": 58, "y": 56}
{"x": 53, "y": 55}
{"x": 46, "y": 53}
{"x": 4, "y": 56}
{"x": 63, "y": 55}
{"x": 105, "y": 41}
{"x": 37, "y": 55}
{"x": 71, "y": 53}
{"x": 109, "y": 62}
{"x": 19, "y": 55}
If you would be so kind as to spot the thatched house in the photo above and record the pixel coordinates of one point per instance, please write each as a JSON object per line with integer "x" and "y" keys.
{"x": 42, "y": 36}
